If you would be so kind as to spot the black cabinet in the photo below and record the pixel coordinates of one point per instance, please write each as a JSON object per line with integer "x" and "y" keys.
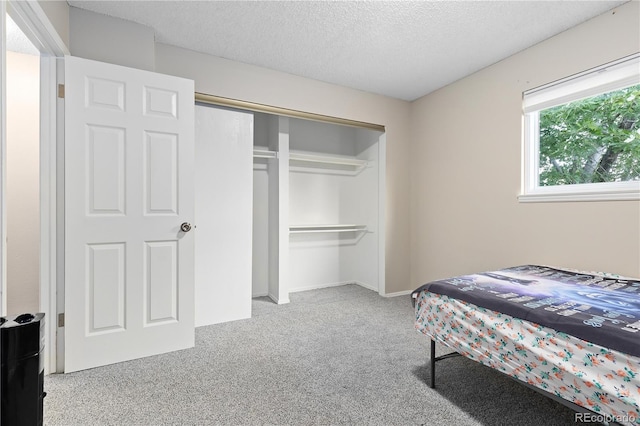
{"x": 22, "y": 375}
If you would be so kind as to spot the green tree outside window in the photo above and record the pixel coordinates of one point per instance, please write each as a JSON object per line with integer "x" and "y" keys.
{"x": 591, "y": 140}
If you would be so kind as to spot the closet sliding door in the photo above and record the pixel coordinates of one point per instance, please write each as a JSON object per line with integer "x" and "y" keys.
{"x": 223, "y": 214}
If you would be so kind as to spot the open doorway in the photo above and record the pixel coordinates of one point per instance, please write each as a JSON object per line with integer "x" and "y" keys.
{"x": 22, "y": 172}
{"x": 28, "y": 270}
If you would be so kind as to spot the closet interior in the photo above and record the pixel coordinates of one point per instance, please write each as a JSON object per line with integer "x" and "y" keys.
{"x": 318, "y": 206}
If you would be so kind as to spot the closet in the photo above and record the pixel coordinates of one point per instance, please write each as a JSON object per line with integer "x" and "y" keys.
{"x": 318, "y": 205}
{"x": 309, "y": 213}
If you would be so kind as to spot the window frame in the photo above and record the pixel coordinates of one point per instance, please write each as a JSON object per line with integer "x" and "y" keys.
{"x": 615, "y": 75}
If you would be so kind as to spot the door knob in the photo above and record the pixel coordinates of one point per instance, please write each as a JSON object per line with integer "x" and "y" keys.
{"x": 185, "y": 227}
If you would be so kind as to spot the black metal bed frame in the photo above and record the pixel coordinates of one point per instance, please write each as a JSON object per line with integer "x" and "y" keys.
{"x": 432, "y": 384}
{"x": 575, "y": 407}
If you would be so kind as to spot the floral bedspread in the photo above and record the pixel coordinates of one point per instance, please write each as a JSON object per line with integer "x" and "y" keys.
{"x": 604, "y": 381}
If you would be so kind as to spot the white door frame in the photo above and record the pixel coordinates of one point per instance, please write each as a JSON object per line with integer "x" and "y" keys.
{"x": 3, "y": 156}
{"x": 382, "y": 215}
{"x": 37, "y": 27}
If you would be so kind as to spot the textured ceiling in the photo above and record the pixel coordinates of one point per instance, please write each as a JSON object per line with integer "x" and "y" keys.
{"x": 398, "y": 49}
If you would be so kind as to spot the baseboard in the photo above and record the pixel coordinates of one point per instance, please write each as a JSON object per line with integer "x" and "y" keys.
{"x": 398, "y": 293}
{"x": 318, "y": 286}
{"x": 278, "y": 301}
{"x": 270, "y": 296}
{"x": 365, "y": 285}
{"x": 338, "y": 284}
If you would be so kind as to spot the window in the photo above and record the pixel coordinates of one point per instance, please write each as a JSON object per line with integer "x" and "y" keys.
{"x": 582, "y": 136}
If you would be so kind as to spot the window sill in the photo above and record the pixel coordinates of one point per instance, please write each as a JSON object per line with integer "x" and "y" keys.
{"x": 624, "y": 192}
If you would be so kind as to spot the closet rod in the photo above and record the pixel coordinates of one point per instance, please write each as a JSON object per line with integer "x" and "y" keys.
{"x": 286, "y": 112}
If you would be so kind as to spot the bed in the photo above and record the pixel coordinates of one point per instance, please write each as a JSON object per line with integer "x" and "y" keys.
{"x": 573, "y": 336}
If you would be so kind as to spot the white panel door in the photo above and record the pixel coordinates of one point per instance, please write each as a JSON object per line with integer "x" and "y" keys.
{"x": 129, "y": 185}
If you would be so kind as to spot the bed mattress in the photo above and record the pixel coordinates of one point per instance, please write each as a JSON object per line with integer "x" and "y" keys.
{"x": 597, "y": 308}
{"x": 603, "y": 379}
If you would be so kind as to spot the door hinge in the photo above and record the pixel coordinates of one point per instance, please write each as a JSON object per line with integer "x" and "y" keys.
{"x": 61, "y": 320}
{"x": 61, "y": 91}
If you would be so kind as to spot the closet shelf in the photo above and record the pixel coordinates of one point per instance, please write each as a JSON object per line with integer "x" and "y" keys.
{"x": 299, "y": 229}
{"x": 299, "y": 158}
{"x": 264, "y": 153}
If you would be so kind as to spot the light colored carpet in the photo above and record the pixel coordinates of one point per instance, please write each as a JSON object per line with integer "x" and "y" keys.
{"x": 334, "y": 356}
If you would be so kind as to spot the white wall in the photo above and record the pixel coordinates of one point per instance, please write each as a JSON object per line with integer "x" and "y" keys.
{"x": 57, "y": 12}
{"x": 22, "y": 196}
{"x": 260, "y": 246}
{"x": 112, "y": 40}
{"x": 466, "y": 168}
{"x": 360, "y": 260}
{"x": 261, "y": 208}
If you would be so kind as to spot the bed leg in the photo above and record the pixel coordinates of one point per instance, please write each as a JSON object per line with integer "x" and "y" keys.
{"x": 433, "y": 363}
